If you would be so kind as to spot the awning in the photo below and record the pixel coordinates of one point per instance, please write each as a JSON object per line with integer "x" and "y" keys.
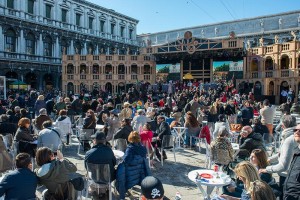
{"x": 188, "y": 76}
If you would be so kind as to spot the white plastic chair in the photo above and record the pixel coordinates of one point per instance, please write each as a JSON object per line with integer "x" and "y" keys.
{"x": 208, "y": 161}
{"x": 84, "y": 135}
{"x": 168, "y": 141}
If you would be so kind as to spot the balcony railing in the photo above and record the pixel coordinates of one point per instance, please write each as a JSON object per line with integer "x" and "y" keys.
{"x": 254, "y": 74}
{"x": 108, "y": 76}
{"x": 285, "y": 73}
{"x": 70, "y": 77}
{"x": 121, "y": 76}
{"x": 134, "y": 77}
{"x": 82, "y": 76}
{"x": 269, "y": 74}
{"x": 95, "y": 57}
{"x": 95, "y": 76}
{"x": 147, "y": 77}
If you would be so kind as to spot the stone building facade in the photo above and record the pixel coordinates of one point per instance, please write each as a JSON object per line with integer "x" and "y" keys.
{"x": 111, "y": 73}
{"x": 273, "y": 68}
{"x": 35, "y": 33}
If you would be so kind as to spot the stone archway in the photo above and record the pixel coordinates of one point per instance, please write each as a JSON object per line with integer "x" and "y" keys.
{"x": 271, "y": 88}
{"x": 108, "y": 87}
{"x": 257, "y": 88}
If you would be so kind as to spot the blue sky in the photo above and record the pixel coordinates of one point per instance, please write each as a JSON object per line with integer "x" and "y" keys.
{"x": 162, "y": 15}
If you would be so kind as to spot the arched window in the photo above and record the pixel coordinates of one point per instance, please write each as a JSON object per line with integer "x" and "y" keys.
{"x": 48, "y": 46}
{"x": 30, "y": 44}
{"x": 10, "y": 40}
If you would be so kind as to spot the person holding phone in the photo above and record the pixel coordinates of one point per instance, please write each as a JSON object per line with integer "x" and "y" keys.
{"x": 54, "y": 173}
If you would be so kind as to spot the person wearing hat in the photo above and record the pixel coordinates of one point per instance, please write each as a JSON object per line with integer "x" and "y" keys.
{"x": 100, "y": 153}
{"x": 126, "y": 112}
{"x": 113, "y": 124}
{"x": 152, "y": 188}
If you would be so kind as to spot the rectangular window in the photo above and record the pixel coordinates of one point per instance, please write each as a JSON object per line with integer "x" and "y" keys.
{"x": 10, "y": 4}
{"x": 91, "y": 22}
{"x": 10, "y": 44}
{"x": 48, "y": 11}
{"x": 30, "y": 6}
{"x": 64, "y": 15}
{"x": 102, "y": 23}
{"x": 30, "y": 48}
{"x": 112, "y": 29}
{"x": 78, "y": 16}
{"x": 130, "y": 33}
{"x": 122, "y": 31}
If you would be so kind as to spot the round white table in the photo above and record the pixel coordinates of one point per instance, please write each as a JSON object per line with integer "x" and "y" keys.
{"x": 99, "y": 126}
{"x": 209, "y": 183}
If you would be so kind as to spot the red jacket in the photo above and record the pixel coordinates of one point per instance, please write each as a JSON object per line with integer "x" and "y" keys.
{"x": 205, "y": 133}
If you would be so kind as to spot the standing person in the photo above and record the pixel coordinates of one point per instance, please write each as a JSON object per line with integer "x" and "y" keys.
{"x": 59, "y": 105}
{"x": 126, "y": 112}
{"x": 39, "y": 120}
{"x": 54, "y": 173}
{"x": 267, "y": 115}
{"x": 12, "y": 102}
{"x": 39, "y": 104}
{"x": 50, "y": 137}
{"x": 64, "y": 123}
{"x": 192, "y": 106}
{"x": 247, "y": 114}
{"x": 291, "y": 188}
{"x": 20, "y": 183}
{"x": 163, "y": 129}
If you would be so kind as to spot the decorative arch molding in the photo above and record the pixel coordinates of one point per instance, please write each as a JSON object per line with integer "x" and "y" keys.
{"x": 27, "y": 32}
{"x": 45, "y": 35}
{"x": 16, "y": 29}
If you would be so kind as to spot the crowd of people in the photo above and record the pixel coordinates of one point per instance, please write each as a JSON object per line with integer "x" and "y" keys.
{"x": 42, "y": 123}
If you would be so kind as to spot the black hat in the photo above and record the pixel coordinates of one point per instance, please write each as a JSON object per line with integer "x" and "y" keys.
{"x": 152, "y": 188}
{"x": 99, "y": 136}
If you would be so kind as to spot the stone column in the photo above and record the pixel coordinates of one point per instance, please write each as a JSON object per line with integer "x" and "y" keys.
{"x": 40, "y": 46}
{"x": 21, "y": 43}
{"x": 84, "y": 52}
{"x": 71, "y": 52}
{"x": 57, "y": 49}
{"x": 1, "y": 38}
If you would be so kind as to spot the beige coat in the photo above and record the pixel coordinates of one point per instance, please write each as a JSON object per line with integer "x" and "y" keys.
{"x": 125, "y": 113}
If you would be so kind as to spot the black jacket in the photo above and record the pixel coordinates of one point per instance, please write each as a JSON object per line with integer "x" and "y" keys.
{"x": 292, "y": 183}
{"x": 163, "y": 129}
{"x": 253, "y": 141}
{"x": 101, "y": 154}
{"x": 123, "y": 132}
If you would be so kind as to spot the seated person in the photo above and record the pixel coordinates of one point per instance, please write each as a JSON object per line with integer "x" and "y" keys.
{"x": 152, "y": 188}
{"x": 135, "y": 166}
{"x": 20, "y": 183}
{"x": 221, "y": 148}
{"x": 221, "y": 123}
{"x": 100, "y": 153}
{"x": 25, "y": 137}
{"x": 193, "y": 128}
{"x": 39, "y": 120}
{"x": 6, "y": 126}
{"x": 54, "y": 173}
{"x": 124, "y": 130}
{"x": 250, "y": 141}
{"x": 261, "y": 190}
{"x": 50, "y": 137}
{"x": 247, "y": 173}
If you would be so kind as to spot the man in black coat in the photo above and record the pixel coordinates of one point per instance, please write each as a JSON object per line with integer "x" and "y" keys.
{"x": 125, "y": 130}
{"x": 163, "y": 129}
{"x": 100, "y": 153}
{"x": 250, "y": 141}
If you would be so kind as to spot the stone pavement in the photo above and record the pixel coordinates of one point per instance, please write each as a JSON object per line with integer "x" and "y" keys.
{"x": 173, "y": 175}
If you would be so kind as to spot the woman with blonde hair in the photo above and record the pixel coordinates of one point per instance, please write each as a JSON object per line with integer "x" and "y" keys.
{"x": 247, "y": 173}
{"x": 259, "y": 190}
{"x": 126, "y": 112}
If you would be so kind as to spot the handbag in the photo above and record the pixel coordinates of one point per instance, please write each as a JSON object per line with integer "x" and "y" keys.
{"x": 78, "y": 183}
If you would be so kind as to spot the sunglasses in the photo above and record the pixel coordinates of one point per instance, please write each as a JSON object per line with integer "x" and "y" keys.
{"x": 296, "y": 130}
